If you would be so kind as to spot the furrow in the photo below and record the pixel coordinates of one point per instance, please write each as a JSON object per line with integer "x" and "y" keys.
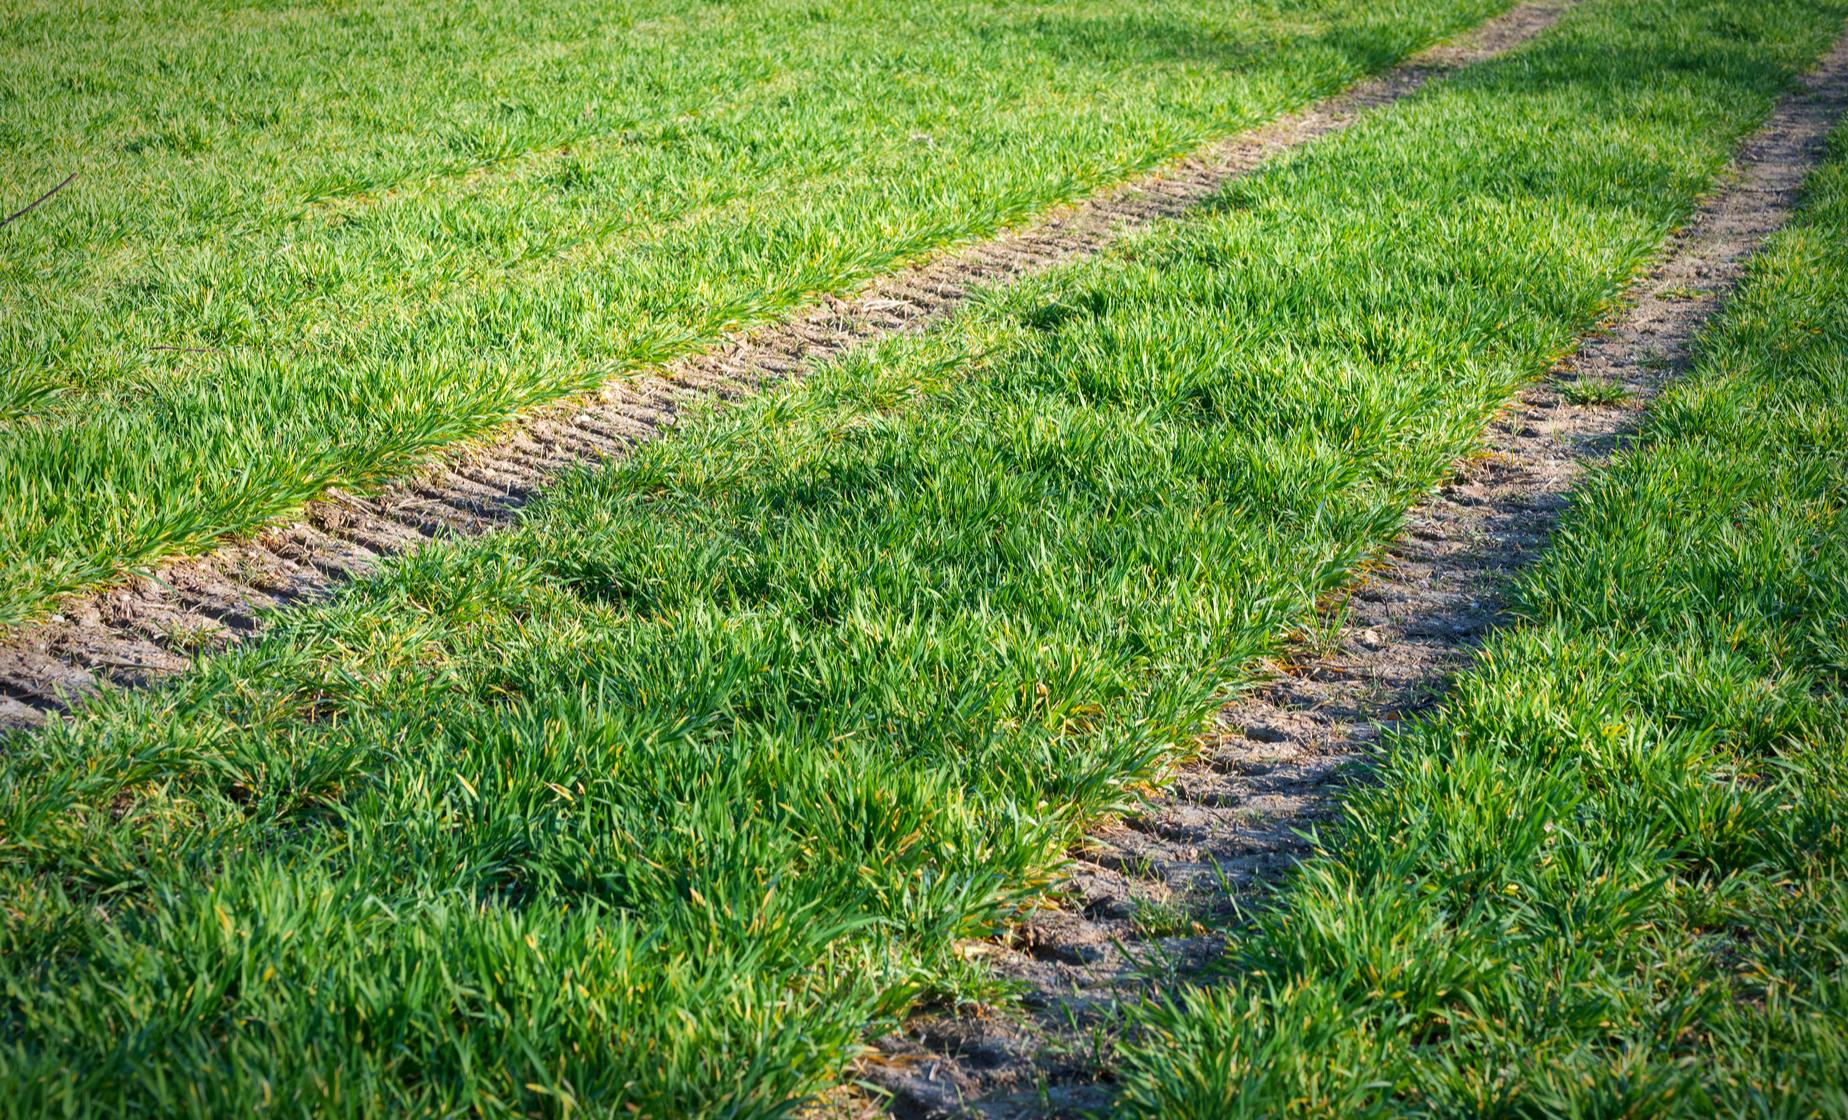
{"x": 505, "y": 486}
{"x": 435, "y": 517}
{"x": 39, "y": 680}
{"x": 332, "y": 555}
{"x": 15, "y": 712}
{"x": 564, "y": 440}
{"x": 205, "y": 591}
{"x": 102, "y": 651}
{"x": 373, "y": 534}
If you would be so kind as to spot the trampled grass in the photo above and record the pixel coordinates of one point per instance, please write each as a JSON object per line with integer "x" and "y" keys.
{"x": 307, "y": 244}
{"x": 664, "y": 798}
{"x": 1609, "y": 878}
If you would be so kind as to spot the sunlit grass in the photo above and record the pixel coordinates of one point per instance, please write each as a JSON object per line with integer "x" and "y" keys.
{"x": 1609, "y": 877}
{"x": 307, "y": 245}
{"x": 664, "y": 798}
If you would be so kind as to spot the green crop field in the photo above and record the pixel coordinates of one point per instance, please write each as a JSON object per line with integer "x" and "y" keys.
{"x": 1611, "y": 876}
{"x": 668, "y": 798}
{"x": 308, "y": 244}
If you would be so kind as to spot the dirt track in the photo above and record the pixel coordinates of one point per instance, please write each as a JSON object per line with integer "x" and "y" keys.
{"x": 151, "y": 627}
{"x": 1218, "y": 838}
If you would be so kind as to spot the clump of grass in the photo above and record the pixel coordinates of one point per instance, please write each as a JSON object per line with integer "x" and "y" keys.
{"x": 1163, "y": 917}
{"x": 661, "y": 800}
{"x": 1610, "y": 875}
{"x": 380, "y": 232}
{"x": 1600, "y": 392}
{"x": 191, "y": 639}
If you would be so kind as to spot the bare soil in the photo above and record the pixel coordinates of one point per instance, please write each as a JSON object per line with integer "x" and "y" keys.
{"x": 1149, "y": 900}
{"x": 152, "y": 626}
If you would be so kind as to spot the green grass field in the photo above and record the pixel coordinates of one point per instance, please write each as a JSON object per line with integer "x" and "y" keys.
{"x": 309, "y": 244}
{"x": 664, "y": 799}
{"x": 1610, "y": 877}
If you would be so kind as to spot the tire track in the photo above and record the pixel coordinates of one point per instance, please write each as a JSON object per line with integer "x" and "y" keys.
{"x": 1134, "y": 915}
{"x": 152, "y": 626}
